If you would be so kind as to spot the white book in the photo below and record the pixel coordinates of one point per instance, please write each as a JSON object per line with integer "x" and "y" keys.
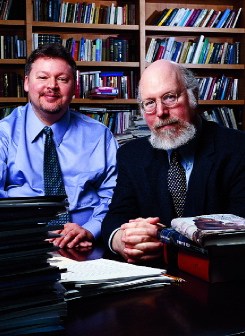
{"x": 237, "y": 16}
{"x": 216, "y": 19}
{"x": 198, "y": 49}
{"x": 210, "y": 79}
{"x": 167, "y": 55}
{"x": 119, "y": 18}
{"x": 230, "y": 112}
{"x": 235, "y": 89}
{"x": 92, "y": 13}
{"x": 224, "y": 117}
{"x": 222, "y": 60}
{"x": 177, "y": 17}
{"x": 34, "y": 41}
{"x": 208, "y": 17}
{"x": 112, "y": 14}
{"x": 149, "y": 53}
{"x": 200, "y": 17}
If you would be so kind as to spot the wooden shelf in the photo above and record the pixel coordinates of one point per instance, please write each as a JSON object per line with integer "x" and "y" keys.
{"x": 195, "y": 30}
{"x": 84, "y": 26}
{"x": 221, "y": 102}
{"x": 13, "y": 61}
{"x": 104, "y": 101}
{"x": 109, "y": 64}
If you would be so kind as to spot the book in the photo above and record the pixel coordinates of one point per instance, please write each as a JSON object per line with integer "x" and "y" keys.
{"x": 200, "y": 17}
{"x": 223, "y": 18}
{"x": 162, "y": 15}
{"x": 198, "y": 49}
{"x": 178, "y": 16}
{"x": 212, "y": 230}
{"x": 207, "y": 18}
{"x": 233, "y": 24}
{"x": 215, "y": 268}
{"x": 165, "y": 17}
{"x": 29, "y": 284}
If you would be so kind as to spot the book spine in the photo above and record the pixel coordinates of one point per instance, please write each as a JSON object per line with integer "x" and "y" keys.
{"x": 197, "y": 265}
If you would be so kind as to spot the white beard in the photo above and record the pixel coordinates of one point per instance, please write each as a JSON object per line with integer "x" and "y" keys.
{"x": 167, "y": 139}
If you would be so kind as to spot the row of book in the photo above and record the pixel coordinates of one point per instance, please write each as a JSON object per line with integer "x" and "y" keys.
{"x": 12, "y": 46}
{"x": 116, "y": 49}
{"x": 198, "y": 17}
{"x": 5, "y": 6}
{"x": 31, "y": 298}
{"x": 199, "y": 50}
{"x": 218, "y": 88}
{"x": 125, "y": 82}
{"x": 117, "y": 118}
{"x": 11, "y": 85}
{"x": 83, "y": 12}
{"x": 223, "y": 115}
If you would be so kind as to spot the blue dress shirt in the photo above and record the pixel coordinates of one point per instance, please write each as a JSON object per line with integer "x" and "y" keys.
{"x": 87, "y": 156}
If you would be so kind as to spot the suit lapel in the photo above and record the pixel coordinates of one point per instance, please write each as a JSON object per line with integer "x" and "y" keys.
{"x": 203, "y": 164}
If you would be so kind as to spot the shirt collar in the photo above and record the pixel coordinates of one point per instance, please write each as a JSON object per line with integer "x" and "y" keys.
{"x": 35, "y": 126}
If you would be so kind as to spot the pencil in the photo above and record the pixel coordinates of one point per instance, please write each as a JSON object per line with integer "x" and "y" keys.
{"x": 160, "y": 225}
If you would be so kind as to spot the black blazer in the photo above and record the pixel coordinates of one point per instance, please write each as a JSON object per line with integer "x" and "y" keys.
{"x": 216, "y": 185}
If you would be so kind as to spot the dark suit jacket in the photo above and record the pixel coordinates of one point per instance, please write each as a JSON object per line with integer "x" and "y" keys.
{"x": 216, "y": 185}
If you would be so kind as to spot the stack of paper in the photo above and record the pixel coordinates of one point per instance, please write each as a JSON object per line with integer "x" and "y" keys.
{"x": 100, "y": 276}
{"x": 29, "y": 300}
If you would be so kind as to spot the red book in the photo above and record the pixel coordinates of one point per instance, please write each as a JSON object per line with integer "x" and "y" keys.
{"x": 213, "y": 268}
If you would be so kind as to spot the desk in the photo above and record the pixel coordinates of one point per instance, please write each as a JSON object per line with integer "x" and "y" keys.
{"x": 193, "y": 308}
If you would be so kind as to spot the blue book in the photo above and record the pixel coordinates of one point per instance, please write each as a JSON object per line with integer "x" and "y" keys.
{"x": 184, "y": 18}
{"x": 223, "y": 18}
{"x": 111, "y": 73}
{"x": 171, "y": 236}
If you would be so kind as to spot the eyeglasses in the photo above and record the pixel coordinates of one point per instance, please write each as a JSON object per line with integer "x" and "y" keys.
{"x": 169, "y": 100}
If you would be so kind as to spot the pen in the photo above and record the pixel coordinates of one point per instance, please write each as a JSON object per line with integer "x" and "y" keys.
{"x": 160, "y": 225}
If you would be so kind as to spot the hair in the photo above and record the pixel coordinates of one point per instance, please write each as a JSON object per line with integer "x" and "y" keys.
{"x": 53, "y": 50}
{"x": 190, "y": 82}
{"x": 191, "y": 85}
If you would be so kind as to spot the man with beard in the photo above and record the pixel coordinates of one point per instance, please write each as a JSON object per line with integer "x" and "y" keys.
{"x": 86, "y": 148}
{"x": 213, "y": 158}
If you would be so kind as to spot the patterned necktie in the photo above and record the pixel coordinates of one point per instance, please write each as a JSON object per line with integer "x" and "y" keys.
{"x": 177, "y": 183}
{"x": 53, "y": 181}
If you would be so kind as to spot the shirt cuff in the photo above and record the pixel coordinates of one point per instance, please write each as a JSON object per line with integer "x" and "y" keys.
{"x": 110, "y": 240}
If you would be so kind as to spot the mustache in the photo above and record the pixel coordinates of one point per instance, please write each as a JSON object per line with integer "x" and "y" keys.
{"x": 166, "y": 122}
{"x": 53, "y": 92}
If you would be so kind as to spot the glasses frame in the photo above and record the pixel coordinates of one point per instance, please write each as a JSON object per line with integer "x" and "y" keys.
{"x": 154, "y": 110}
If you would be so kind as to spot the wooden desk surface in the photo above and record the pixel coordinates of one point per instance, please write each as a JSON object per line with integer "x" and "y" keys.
{"x": 193, "y": 308}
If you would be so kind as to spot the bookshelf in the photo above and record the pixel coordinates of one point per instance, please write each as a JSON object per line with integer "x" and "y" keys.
{"x": 22, "y": 22}
{"x": 152, "y": 8}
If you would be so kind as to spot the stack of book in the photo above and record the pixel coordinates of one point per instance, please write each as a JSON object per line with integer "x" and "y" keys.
{"x": 31, "y": 302}
{"x": 210, "y": 247}
{"x": 102, "y": 276}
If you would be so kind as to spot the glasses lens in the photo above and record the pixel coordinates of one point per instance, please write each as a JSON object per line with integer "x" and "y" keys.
{"x": 149, "y": 105}
{"x": 169, "y": 99}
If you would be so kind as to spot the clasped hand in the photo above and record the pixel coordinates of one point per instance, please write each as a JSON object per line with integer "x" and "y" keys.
{"x": 137, "y": 240}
